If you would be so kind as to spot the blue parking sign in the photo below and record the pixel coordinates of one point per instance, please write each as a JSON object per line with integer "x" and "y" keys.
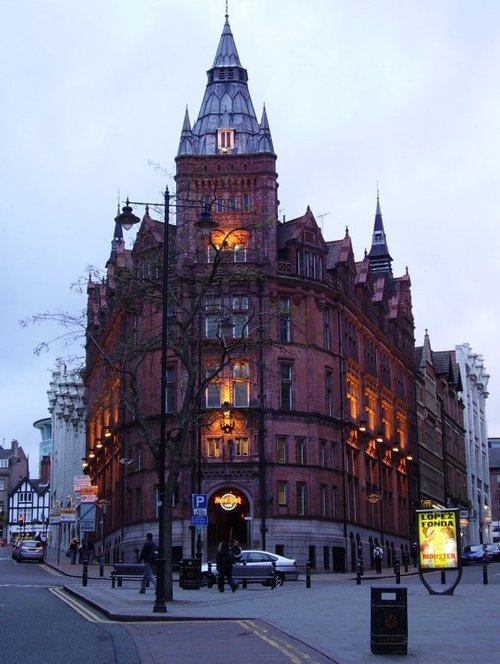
{"x": 199, "y": 502}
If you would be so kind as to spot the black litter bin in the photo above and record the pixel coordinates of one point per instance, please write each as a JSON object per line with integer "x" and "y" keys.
{"x": 190, "y": 574}
{"x": 389, "y": 621}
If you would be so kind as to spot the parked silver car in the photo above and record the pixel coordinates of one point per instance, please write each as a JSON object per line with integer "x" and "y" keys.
{"x": 29, "y": 550}
{"x": 286, "y": 568}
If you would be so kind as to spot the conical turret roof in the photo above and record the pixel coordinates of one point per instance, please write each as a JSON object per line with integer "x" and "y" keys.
{"x": 226, "y": 105}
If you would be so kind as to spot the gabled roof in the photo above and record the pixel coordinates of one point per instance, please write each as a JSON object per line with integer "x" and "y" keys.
{"x": 303, "y": 230}
{"x": 340, "y": 251}
{"x": 150, "y": 228}
{"x": 35, "y": 485}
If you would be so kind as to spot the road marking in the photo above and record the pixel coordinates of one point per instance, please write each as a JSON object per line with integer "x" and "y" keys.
{"x": 51, "y": 570}
{"x": 284, "y": 646}
{"x": 83, "y": 610}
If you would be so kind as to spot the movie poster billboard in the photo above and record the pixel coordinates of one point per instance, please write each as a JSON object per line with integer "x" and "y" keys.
{"x": 438, "y": 538}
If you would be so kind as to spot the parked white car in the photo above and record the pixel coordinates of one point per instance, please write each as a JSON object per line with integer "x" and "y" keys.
{"x": 286, "y": 568}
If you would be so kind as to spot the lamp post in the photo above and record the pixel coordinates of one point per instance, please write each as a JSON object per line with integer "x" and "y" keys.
{"x": 123, "y": 462}
{"x": 206, "y": 224}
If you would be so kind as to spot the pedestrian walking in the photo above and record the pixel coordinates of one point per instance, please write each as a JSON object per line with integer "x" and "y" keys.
{"x": 90, "y": 551}
{"x": 414, "y": 553}
{"x": 405, "y": 557}
{"x": 378, "y": 554}
{"x": 147, "y": 557}
{"x": 73, "y": 550}
{"x": 224, "y": 563}
{"x": 236, "y": 551}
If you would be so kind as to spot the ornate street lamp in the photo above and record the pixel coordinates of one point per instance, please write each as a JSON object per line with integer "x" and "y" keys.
{"x": 205, "y": 224}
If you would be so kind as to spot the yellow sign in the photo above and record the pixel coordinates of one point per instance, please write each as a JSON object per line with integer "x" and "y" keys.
{"x": 438, "y": 532}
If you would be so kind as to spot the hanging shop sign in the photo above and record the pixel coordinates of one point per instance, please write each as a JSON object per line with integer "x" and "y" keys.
{"x": 80, "y": 482}
{"x": 67, "y": 515}
{"x": 438, "y": 535}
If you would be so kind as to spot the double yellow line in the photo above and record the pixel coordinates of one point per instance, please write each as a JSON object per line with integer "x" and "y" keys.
{"x": 90, "y": 614}
{"x": 280, "y": 643}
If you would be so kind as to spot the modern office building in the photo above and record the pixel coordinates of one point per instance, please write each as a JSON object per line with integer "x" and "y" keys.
{"x": 475, "y": 392}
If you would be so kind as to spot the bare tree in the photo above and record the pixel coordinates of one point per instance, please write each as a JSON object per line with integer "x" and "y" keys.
{"x": 120, "y": 352}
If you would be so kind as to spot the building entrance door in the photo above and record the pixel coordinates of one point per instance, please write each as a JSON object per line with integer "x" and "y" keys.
{"x": 227, "y": 512}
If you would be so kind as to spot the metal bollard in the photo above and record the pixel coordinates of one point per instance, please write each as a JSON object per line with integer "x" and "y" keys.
{"x": 485, "y": 570}
{"x": 244, "y": 581}
{"x": 85, "y": 574}
{"x": 210, "y": 580}
{"x": 397, "y": 570}
{"x": 359, "y": 570}
{"x": 308, "y": 574}
{"x": 101, "y": 568}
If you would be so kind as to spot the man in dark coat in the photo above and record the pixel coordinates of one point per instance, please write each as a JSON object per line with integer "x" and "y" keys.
{"x": 147, "y": 557}
{"x": 224, "y": 563}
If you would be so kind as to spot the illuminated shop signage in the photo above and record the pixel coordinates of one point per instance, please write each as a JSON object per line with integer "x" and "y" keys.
{"x": 438, "y": 532}
{"x": 228, "y": 501}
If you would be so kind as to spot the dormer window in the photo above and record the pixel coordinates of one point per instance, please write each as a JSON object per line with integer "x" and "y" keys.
{"x": 225, "y": 140}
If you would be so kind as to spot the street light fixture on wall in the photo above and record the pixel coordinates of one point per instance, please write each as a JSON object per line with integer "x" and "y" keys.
{"x": 227, "y": 424}
{"x": 205, "y": 224}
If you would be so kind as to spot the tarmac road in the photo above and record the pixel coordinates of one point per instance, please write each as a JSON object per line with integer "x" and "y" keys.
{"x": 328, "y": 622}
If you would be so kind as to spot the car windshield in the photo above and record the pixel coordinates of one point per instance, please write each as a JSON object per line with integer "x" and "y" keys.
{"x": 31, "y": 545}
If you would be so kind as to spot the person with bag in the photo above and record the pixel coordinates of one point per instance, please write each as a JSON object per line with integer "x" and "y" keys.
{"x": 73, "y": 550}
{"x": 224, "y": 563}
{"x": 378, "y": 554}
{"x": 147, "y": 557}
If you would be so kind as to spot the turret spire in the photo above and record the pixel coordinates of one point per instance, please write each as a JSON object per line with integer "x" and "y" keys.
{"x": 380, "y": 259}
{"x": 226, "y": 123}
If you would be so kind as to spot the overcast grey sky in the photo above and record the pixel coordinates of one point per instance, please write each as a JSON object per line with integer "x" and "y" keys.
{"x": 403, "y": 93}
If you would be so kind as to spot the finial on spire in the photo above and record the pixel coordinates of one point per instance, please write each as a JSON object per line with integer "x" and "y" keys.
{"x": 227, "y": 9}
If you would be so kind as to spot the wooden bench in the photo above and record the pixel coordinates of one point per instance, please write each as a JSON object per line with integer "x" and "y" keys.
{"x": 260, "y": 572}
{"x": 126, "y": 571}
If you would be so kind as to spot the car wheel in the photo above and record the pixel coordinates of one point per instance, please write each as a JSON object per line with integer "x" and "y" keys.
{"x": 280, "y": 579}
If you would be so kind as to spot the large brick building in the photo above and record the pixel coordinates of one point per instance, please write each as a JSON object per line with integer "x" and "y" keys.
{"x": 314, "y": 458}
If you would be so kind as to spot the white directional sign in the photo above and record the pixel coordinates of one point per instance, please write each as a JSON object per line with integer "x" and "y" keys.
{"x": 87, "y": 517}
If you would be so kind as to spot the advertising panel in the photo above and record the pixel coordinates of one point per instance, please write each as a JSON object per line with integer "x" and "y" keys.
{"x": 438, "y": 538}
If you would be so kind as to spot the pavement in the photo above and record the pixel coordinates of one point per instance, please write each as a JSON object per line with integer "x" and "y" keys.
{"x": 326, "y": 620}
